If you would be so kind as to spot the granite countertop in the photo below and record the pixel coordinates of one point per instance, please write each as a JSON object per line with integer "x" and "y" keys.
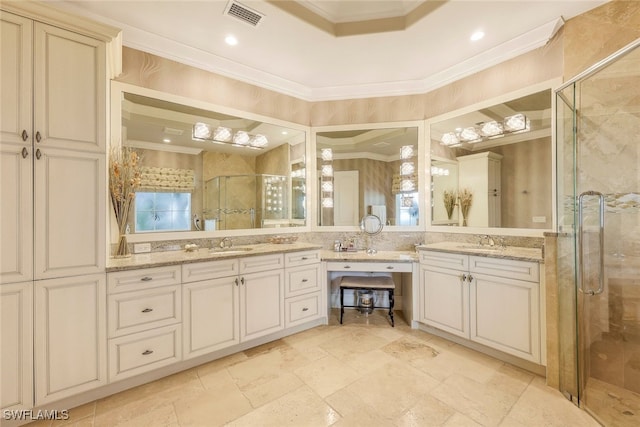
{"x": 159, "y": 259}
{"x": 510, "y": 252}
{"x": 380, "y": 256}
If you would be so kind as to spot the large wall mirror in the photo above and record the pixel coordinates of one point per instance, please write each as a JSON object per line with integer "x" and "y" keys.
{"x": 369, "y": 170}
{"x": 491, "y": 165}
{"x": 209, "y": 169}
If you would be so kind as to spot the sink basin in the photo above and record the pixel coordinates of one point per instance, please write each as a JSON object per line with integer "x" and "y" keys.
{"x": 230, "y": 251}
{"x": 480, "y": 248}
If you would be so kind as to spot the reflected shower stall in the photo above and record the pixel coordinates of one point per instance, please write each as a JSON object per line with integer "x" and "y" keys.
{"x": 246, "y": 201}
{"x": 598, "y": 245}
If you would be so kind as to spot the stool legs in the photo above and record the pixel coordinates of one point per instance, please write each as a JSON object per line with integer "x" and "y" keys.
{"x": 341, "y": 303}
{"x": 391, "y": 301}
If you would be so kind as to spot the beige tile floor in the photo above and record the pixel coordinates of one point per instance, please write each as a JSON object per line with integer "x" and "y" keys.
{"x": 362, "y": 373}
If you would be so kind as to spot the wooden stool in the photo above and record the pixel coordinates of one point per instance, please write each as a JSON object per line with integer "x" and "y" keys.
{"x": 368, "y": 283}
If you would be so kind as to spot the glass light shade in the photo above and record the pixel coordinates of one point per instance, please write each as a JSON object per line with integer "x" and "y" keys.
{"x": 515, "y": 123}
{"x": 492, "y": 128}
{"x": 407, "y": 185}
{"x": 222, "y": 134}
{"x": 406, "y": 152}
{"x": 450, "y": 138}
{"x": 469, "y": 134}
{"x": 327, "y": 170}
{"x": 407, "y": 168}
{"x": 326, "y": 154}
{"x": 201, "y": 131}
{"x": 259, "y": 141}
{"x": 407, "y": 201}
{"x": 327, "y": 202}
{"x": 327, "y": 186}
{"x": 241, "y": 138}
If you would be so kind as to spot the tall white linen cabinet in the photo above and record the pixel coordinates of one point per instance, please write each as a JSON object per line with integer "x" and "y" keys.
{"x": 55, "y": 71}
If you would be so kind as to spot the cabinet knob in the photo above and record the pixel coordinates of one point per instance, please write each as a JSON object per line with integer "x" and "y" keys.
{"x": 24, "y": 135}
{"x": 242, "y": 280}
{"x": 25, "y": 152}
{"x": 470, "y": 278}
{"x": 236, "y": 281}
{"x": 38, "y": 136}
{"x": 147, "y": 352}
{"x": 38, "y": 154}
{"x": 463, "y": 277}
{"x": 146, "y": 279}
{"x": 305, "y": 309}
{"x": 304, "y": 280}
{"x": 147, "y": 310}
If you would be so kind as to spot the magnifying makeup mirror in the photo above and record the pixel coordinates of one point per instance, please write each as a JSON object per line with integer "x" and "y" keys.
{"x": 370, "y": 226}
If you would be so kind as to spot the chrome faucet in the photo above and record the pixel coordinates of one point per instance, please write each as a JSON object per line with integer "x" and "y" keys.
{"x": 226, "y": 243}
{"x": 486, "y": 238}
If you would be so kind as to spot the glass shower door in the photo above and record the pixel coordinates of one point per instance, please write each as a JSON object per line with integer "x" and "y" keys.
{"x": 599, "y": 240}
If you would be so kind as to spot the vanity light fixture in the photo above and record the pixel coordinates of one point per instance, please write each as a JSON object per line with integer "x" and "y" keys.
{"x": 224, "y": 135}
{"x": 407, "y": 175}
{"x": 516, "y": 123}
{"x": 326, "y": 179}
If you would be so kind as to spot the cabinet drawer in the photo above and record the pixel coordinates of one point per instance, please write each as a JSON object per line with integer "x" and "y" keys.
{"x": 444, "y": 260}
{"x": 261, "y": 263}
{"x": 302, "y": 308}
{"x": 134, "y": 280}
{"x": 510, "y": 269}
{"x": 138, "y": 311}
{"x": 369, "y": 267}
{"x": 302, "y": 280}
{"x": 209, "y": 270}
{"x": 294, "y": 259}
{"x": 137, "y": 353}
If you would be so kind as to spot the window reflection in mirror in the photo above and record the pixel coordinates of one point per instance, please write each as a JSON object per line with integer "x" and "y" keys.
{"x": 508, "y": 171}
{"x": 230, "y": 184}
{"x": 366, "y": 175}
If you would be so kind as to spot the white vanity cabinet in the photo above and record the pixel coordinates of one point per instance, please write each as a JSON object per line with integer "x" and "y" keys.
{"x": 53, "y": 121}
{"x": 304, "y": 291}
{"x": 70, "y": 336}
{"x": 227, "y": 302}
{"x": 144, "y": 320}
{"x": 492, "y": 301}
{"x": 16, "y": 346}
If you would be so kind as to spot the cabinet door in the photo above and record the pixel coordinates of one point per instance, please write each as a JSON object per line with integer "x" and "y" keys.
{"x": 16, "y": 346}
{"x": 444, "y": 300}
{"x": 16, "y": 214}
{"x": 505, "y": 315}
{"x": 261, "y": 304}
{"x": 16, "y": 79}
{"x": 70, "y": 336}
{"x": 211, "y": 315}
{"x": 69, "y": 90}
{"x": 70, "y": 213}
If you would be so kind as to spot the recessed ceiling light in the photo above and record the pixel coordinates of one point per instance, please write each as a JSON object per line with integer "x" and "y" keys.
{"x": 231, "y": 40}
{"x": 167, "y": 140}
{"x": 477, "y": 35}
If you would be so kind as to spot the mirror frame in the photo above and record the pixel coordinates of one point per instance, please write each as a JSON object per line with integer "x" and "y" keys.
{"x": 116, "y": 95}
{"x": 312, "y": 165}
{"x": 527, "y": 232}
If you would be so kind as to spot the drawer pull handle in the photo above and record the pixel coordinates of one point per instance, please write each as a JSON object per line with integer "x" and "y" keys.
{"x": 242, "y": 280}
{"x": 347, "y": 266}
{"x": 147, "y": 352}
{"x": 236, "y": 281}
{"x": 304, "y": 280}
{"x": 146, "y": 279}
{"x": 305, "y": 309}
{"x": 304, "y": 258}
{"x": 389, "y": 267}
{"x": 147, "y": 310}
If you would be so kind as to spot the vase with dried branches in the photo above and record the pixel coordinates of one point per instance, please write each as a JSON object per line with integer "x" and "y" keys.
{"x": 124, "y": 179}
{"x": 465, "y": 197}
{"x": 450, "y": 197}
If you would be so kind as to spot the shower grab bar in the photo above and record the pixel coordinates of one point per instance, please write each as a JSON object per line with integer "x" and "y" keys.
{"x": 580, "y": 240}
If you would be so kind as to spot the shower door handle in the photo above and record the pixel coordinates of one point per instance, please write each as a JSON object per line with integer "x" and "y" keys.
{"x": 580, "y": 243}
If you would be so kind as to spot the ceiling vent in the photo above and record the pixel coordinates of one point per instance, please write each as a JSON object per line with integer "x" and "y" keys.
{"x": 243, "y": 13}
